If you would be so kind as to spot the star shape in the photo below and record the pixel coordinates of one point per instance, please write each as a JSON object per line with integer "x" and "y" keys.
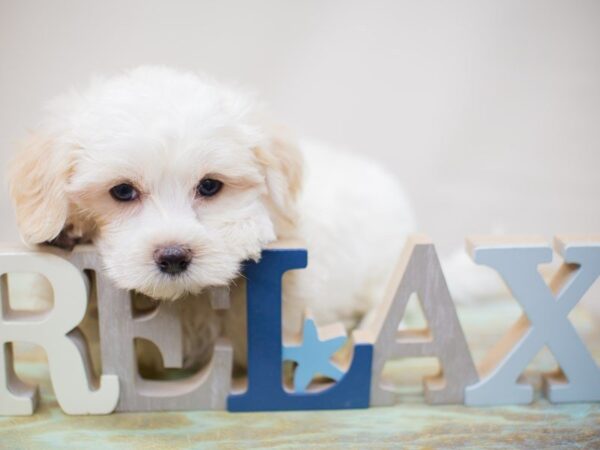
{"x": 313, "y": 354}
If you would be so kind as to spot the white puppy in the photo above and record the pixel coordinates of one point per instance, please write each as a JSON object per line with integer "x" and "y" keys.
{"x": 178, "y": 180}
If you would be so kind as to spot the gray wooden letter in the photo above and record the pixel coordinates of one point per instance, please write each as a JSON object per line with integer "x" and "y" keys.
{"x": 419, "y": 271}
{"x": 119, "y": 326}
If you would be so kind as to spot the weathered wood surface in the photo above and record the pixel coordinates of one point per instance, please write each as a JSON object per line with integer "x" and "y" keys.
{"x": 409, "y": 424}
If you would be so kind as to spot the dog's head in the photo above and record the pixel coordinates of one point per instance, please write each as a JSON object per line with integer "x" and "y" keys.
{"x": 175, "y": 178}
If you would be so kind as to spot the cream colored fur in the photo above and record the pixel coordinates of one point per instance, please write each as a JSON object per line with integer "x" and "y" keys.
{"x": 164, "y": 130}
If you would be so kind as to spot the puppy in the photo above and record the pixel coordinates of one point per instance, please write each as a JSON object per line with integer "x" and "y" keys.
{"x": 178, "y": 179}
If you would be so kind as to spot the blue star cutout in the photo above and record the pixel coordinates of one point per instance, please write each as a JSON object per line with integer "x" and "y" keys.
{"x": 313, "y": 356}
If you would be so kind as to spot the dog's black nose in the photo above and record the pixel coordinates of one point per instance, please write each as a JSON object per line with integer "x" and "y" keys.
{"x": 173, "y": 260}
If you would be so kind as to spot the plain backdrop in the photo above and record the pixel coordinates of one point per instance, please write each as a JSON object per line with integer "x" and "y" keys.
{"x": 487, "y": 111}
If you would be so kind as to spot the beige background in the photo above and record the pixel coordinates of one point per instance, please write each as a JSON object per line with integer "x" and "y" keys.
{"x": 489, "y": 112}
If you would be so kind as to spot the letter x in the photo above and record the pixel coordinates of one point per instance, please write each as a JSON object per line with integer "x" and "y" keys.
{"x": 544, "y": 322}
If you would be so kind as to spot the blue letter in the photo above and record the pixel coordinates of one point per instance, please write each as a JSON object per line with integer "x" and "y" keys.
{"x": 265, "y": 390}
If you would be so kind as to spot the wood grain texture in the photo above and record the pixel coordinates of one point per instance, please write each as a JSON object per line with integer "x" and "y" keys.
{"x": 54, "y": 330}
{"x": 419, "y": 271}
{"x": 411, "y": 424}
{"x": 220, "y": 297}
{"x": 264, "y": 390}
{"x": 120, "y": 325}
{"x": 544, "y": 321}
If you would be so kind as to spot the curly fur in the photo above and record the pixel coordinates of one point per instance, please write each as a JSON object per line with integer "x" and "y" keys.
{"x": 164, "y": 130}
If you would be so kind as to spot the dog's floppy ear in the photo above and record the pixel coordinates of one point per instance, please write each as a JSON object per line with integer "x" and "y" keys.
{"x": 37, "y": 179}
{"x": 283, "y": 165}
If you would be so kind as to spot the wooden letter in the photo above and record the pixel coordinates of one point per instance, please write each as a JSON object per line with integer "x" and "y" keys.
{"x": 265, "y": 391}
{"x": 67, "y": 359}
{"x": 544, "y": 321}
{"x": 419, "y": 272}
{"x": 208, "y": 389}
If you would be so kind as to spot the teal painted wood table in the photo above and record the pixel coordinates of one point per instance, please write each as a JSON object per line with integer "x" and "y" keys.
{"x": 409, "y": 424}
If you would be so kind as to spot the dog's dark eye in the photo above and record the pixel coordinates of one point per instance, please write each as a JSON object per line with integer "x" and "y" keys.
{"x": 124, "y": 193}
{"x": 208, "y": 187}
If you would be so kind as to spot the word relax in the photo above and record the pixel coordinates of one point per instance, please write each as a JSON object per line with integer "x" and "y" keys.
{"x": 544, "y": 322}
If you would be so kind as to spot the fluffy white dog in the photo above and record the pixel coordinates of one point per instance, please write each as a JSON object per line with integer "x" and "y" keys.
{"x": 177, "y": 180}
